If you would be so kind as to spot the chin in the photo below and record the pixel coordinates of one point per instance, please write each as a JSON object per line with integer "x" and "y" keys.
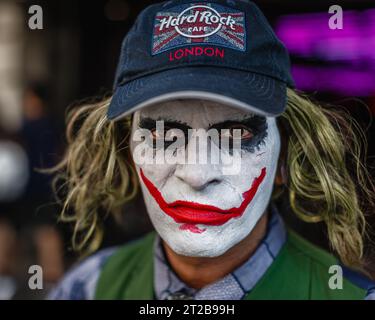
{"x": 198, "y": 251}
{"x": 200, "y": 246}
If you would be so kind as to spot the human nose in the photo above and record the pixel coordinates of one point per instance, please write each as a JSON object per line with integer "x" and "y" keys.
{"x": 198, "y": 176}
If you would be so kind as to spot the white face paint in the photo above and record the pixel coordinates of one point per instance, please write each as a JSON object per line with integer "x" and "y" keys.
{"x": 195, "y": 208}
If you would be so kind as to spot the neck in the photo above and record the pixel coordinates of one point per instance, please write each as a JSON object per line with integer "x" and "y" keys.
{"x": 198, "y": 272}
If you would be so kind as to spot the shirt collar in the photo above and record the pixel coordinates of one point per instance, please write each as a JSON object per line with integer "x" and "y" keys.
{"x": 235, "y": 285}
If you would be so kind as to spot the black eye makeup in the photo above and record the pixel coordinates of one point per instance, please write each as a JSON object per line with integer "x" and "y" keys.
{"x": 253, "y": 132}
{"x": 172, "y": 129}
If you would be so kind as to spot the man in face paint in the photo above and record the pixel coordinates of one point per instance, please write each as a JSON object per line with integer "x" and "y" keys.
{"x": 196, "y": 209}
{"x": 217, "y": 235}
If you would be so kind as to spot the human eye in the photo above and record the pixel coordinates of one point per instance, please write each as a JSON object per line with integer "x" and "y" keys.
{"x": 167, "y": 136}
{"x": 237, "y": 131}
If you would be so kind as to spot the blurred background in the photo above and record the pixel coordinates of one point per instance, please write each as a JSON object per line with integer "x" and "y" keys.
{"x": 74, "y": 56}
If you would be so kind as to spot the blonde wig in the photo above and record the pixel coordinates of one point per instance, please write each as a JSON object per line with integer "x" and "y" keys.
{"x": 98, "y": 177}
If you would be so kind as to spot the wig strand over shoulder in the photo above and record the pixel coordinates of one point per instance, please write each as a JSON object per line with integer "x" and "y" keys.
{"x": 323, "y": 143}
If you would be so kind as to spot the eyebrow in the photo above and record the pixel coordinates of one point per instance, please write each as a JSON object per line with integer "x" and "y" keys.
{"x": 149, "y": 123}
{"x": 256, "y": 122}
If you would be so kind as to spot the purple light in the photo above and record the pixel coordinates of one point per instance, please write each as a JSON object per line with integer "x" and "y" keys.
{"x": 335, "y": 79}
{"x": 309, "y": 36}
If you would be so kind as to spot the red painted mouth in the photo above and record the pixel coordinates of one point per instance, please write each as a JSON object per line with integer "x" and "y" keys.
{"x": 192, "y": 213}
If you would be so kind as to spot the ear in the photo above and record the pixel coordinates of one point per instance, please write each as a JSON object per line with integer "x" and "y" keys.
{"x": 281, "y": 178}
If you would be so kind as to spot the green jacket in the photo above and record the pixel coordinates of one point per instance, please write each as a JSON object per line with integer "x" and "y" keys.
{"x": 299, "y": 272}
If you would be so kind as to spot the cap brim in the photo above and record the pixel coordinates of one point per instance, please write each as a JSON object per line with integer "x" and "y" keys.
{"x": 252, "y": 92}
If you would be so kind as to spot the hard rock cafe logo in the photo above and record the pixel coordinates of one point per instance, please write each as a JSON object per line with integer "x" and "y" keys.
{"x": 194, "y": 25}
{"x": 198, "y": 21}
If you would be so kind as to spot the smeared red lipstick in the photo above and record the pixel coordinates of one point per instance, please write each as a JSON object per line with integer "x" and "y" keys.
{"x": 195, "y": 213}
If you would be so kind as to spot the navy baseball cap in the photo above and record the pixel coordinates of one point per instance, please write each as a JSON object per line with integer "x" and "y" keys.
{"x": 220, "y": 50}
